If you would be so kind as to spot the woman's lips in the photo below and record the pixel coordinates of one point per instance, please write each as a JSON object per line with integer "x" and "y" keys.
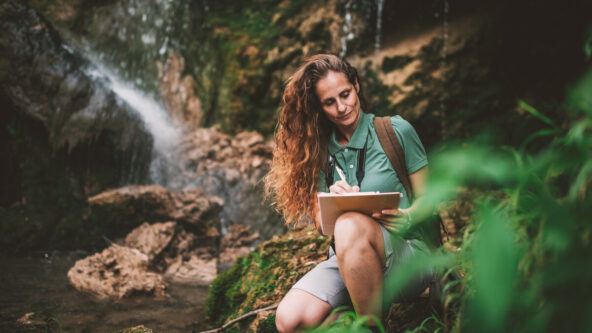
{"x": 345, "y": 116}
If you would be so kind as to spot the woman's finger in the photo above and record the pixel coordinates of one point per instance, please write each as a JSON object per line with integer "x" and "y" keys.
{"x": 341, "y": 186}
{"x": 336, "y": 189}
{"x": 344, "y": 185}
{"x": 394, "y": 212}
{"x": 391, "y": 222}
{"x": 394, "y": 225}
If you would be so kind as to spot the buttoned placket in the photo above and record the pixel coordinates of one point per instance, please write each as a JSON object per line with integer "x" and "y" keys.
{"x": 347, "y": 161}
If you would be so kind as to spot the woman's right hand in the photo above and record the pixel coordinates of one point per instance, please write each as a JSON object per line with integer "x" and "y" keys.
{"x": 342, "y": 186}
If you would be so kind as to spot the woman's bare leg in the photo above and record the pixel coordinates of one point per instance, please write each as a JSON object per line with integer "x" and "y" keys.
{"x": 299, "y": 310}
{"x": 360, "y": 254}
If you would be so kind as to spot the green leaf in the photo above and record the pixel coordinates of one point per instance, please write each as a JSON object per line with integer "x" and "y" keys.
{"x": 536, "y": 113}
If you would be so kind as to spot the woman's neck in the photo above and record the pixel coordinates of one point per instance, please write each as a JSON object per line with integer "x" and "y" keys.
{"x": 343, "y": 135}
{"x": 343, "y": 139}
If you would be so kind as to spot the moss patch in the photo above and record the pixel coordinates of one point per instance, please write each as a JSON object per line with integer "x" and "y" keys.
{"x": 264, "y": 276}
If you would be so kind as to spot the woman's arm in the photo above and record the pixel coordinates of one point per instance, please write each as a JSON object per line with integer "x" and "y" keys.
{"x": 396, "y": 219}
{"x": 418, "y": 183}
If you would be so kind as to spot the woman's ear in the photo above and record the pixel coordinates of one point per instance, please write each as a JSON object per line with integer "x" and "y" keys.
{"x": 357, "y": 86}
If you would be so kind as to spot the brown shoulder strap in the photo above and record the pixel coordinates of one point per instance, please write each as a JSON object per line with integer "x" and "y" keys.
{"x": 391, "y": 146}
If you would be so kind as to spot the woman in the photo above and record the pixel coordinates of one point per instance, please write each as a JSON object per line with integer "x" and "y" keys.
{"x": 322, "y": 118}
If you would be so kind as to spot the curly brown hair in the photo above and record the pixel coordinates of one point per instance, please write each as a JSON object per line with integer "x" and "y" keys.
{"x": 302, "y": 135}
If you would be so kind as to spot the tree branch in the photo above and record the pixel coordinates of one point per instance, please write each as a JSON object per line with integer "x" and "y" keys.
{"x": 230, "y": 323}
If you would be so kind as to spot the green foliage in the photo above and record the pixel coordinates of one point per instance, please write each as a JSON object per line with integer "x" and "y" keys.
{"x": 525, "y": 254}
{"x": 268, "y": 325}
{"x": 348, "y": 321}
{"x": 225, "y": 294}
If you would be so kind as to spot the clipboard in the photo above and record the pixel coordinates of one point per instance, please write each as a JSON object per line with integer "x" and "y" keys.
{"x": 332, "y": 205}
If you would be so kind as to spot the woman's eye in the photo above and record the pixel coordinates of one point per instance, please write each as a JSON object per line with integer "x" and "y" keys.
{"x": 345, "y": 94}
{"x": 327, "y": 103}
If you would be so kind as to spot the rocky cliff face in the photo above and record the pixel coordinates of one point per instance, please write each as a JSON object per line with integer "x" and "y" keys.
{"x": 43, "y": 80}
{"x": 231, "y": 167}
{"x": 449, "y": 68}
{"x": 64, "y": 136}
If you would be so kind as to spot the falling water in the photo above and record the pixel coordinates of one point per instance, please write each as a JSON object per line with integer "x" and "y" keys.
{"x": 378, "y": 27}
{"x": 347, "y": 29}
{"x": 158, "y": 122}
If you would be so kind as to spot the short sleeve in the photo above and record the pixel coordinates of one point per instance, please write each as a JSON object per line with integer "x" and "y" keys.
{"x": 415, "y": 155}
{"x": 322, "y": 186}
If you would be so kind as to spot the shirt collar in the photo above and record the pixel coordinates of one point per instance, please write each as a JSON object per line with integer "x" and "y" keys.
{"x": 357, "y": 140}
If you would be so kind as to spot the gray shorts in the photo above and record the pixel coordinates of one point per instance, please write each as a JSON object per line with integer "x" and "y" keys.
{"x": 325, "y": 282}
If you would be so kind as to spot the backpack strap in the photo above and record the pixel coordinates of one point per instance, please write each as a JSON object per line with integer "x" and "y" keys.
{"x": 393, "y": 150}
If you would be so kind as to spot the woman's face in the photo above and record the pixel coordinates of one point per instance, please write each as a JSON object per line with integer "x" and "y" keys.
{"x": 339, "y": 100}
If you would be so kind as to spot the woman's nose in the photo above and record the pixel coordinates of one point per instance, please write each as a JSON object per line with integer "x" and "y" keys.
{"x": 340, "y": 106}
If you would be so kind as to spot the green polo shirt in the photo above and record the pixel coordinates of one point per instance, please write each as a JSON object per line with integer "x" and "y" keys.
{"x": 379, "y": 173}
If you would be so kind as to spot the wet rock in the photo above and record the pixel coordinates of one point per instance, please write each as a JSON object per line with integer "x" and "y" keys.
{"x": 236, "y": 243}
{"x": 152, "y": 252}
{"x": 178, "y": 91}
{"x": 151, "y": 239}
{"x": 180, "y": 255}
{"x": 117, "y": 272}
{"x": 195, "y": 270}
{"x": 130, "y": 206}
{"x": 45, "y": 82}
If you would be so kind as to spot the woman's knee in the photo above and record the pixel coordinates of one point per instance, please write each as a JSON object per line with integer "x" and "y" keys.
{"x": 299, "y": 310}
{"x": 354, "y": 229}
{"x": 286, "y": 319}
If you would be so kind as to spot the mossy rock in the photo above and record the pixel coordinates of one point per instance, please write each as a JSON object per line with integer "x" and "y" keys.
{"x": 263, "y": 277}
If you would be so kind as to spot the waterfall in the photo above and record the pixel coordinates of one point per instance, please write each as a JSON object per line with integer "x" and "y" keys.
{"x": 347, "y": 29}
{"x": 378, "y": 27}
{"x": 158, "y": 122}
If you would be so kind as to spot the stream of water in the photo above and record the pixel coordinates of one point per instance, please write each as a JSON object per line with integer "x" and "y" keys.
{"x": 39, "y": 284}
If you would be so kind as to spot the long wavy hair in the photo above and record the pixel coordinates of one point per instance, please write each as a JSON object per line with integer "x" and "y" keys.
{"x": 302, "y": 135}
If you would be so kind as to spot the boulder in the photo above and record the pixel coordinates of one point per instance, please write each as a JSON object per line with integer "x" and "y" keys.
{"x": 195, "y": 270}
{"x": 236, "y": 243}
{"x": 151, "y": 239}
{"x": 128, "y": 207}
{"x": 179, "y": 255}
{"x": 152, "y": 252}
{"x": 115, "y": 273}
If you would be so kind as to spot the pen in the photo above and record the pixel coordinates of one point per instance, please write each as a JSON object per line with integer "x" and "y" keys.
{"x": 341, "y": 174}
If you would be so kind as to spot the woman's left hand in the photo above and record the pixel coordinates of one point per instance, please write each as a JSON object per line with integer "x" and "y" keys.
{"x": 394, "y": 220}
